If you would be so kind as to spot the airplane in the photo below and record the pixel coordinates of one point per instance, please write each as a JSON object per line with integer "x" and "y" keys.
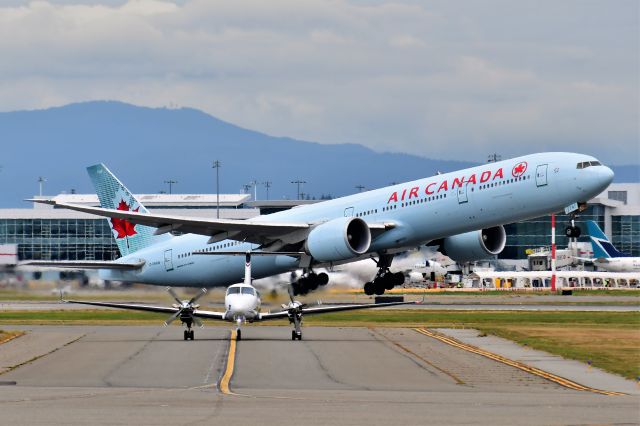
{"x": 242, "y": 303}
{"x": 462, "y": 212}
{"x": 606, "y": 256}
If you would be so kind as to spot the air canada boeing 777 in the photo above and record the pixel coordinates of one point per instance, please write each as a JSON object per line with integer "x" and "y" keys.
{"x": 462, "y": 212}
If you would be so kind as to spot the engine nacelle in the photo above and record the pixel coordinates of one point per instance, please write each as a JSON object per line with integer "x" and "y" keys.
{"x": 339, "y": 239}
{"x": 475, "y": 245}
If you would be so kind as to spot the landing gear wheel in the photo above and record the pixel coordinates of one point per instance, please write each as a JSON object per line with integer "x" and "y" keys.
{"x": 388, "y": 281}
{"x": 239, "y": 335}
{"x": 323, "y": 278}
{"x": 191, "y": 333}
{"x": 379, "y": 290}
{"x": 293, "y": 335}
{"x": 369, "y": 289}
{"x": 398, "y": 278}
{"x": 186, "y": 335}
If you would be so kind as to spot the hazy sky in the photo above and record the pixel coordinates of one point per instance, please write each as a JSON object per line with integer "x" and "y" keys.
{"x": 442, "y": 79}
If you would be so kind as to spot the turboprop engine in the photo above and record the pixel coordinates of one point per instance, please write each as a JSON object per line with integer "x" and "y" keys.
{"x": 475, "y": 245}
{"x": 338, "y": 239}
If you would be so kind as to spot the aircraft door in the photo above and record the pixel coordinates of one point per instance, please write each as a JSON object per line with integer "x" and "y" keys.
{"x": 462, "y": 194}
{"x": 541, "y": 175}
{"x": 168, "y": 260}
{"x": 348, "y": 212}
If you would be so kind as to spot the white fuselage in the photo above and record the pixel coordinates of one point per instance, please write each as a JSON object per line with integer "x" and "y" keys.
{"x": 619, "y": 264}
{"x": 421, "y": 211}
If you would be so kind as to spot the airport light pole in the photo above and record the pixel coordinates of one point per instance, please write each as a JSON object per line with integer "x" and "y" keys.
{"x": 299, "y": 182}
{"x": 267, "y": 185}
{"x": 216, "y": 165}
{"x": 255, "y": 189}
{"x": 41, "y": 180}
{"x": 170, "y": 182}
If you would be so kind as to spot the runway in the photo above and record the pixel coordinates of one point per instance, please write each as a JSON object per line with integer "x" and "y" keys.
{"x": 149, "y": 375}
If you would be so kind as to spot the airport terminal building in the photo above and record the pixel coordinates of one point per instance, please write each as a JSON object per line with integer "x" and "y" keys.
{"x": 47, "y": 233}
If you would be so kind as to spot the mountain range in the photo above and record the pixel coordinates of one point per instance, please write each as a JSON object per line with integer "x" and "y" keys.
{"x": 145, "y": 147}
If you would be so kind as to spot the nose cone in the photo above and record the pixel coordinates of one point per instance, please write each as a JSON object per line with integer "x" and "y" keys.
{"x": 607, "y": 175}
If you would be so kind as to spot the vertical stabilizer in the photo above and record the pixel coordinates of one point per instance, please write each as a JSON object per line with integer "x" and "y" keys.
{"x": 114, "y": 195}
{"x": 602, "y": 247}
{"x": 247, "y": 268}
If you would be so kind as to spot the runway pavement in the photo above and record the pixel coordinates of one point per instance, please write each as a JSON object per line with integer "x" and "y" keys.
{"x": 149, "y": 375}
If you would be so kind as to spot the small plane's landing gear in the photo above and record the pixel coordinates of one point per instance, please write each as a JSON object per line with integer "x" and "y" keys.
{"x": 238, "y": 335}
{"x": 295, "y": 335}
{"x": 188, "y": 334}
{"x": 310, "y": 282}
{"x": 385, "y": 279}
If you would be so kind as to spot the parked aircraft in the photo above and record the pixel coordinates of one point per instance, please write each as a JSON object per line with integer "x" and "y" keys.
{"x": 242, "y": 304}
{"x": 606, "y": 256}
{"x": 462, "y": 212}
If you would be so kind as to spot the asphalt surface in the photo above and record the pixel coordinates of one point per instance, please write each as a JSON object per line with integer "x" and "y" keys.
{"x": 149, "y": 375}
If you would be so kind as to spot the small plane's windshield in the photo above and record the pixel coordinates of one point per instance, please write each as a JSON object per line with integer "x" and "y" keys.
{"x": 233, "y": 290}
{"x": 248, "y": 290}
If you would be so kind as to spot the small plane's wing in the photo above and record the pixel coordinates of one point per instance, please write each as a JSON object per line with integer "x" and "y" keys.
{"x": 83, "y": 264}
{"x": 219, "y": 229}
{"x": 150, "y": 308}
{"x": 328, "y": 309}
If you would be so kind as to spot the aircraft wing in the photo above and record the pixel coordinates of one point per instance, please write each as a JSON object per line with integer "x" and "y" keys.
{"x": 83, "y": 264}
{"x": 218, "y": 229}
{"x": 329, "y": 309}
{"x": 150, "y": 308}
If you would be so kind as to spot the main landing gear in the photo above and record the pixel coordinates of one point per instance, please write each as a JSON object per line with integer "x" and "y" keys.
{"x": 308, "y": 283}
{"x": 385, "y": 279}
{"x": 295, "y": 317}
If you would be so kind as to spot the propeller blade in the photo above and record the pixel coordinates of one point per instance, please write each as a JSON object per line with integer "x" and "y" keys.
{"x": 290, "y": 291}
{"x": 203, "y": 291}
{"x": 197, "y": 321}
{"x": 172, "y": 318}
{"x": 174, "y": 295}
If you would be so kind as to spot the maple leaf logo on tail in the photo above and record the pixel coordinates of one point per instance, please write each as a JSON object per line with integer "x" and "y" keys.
{"x": 124, "y": 228}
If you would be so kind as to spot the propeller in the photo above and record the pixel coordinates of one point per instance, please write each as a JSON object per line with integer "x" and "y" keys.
{"x": 185, "y": 305}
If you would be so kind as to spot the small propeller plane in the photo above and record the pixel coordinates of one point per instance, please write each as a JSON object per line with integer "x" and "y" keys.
{"x": 242, "y": 303}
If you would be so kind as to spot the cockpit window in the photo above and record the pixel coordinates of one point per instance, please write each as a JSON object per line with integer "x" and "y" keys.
{"x": 233, "y": 290}
{"x": 248, "y": 290}
{"x": 586, "y": 164}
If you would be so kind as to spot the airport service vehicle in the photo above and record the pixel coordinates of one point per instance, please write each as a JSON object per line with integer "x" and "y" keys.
{"x": 462, "y": 212}
{"x": 606, "y": 256}
{"x": 242, "y": 303}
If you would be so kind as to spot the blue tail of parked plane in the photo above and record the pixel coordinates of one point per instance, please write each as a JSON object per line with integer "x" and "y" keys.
{"x": 602, "y": 247}
{"x": 114, "y": 195}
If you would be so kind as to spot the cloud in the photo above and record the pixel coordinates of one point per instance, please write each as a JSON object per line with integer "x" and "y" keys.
{"x": 429, "y": 78}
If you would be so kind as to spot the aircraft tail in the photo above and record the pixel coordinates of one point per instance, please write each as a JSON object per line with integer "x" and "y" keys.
{"x": 114, "y": 195}
{"x": 602, "y": 247}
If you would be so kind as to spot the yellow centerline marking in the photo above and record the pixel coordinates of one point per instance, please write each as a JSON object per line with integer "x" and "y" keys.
{"x": 524, "y": 367}
{"x": 231, "y": 360}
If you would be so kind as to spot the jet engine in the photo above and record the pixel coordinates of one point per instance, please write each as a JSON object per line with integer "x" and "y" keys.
{"x": 475, "y": 245}
{"x": 338, "y": 239}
